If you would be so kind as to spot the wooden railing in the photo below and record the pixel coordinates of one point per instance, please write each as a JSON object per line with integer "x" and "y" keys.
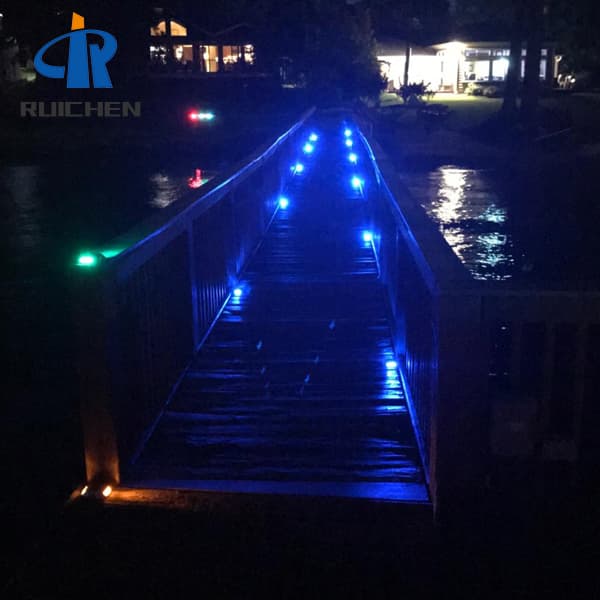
{"x": 543, "y": 349}
{"x": 435, "y": 315}
{"x": 143, "y": 313}
{"x": 490, "y": 371}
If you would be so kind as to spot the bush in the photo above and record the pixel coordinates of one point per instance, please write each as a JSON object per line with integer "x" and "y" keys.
{"x": 413, "y": 93}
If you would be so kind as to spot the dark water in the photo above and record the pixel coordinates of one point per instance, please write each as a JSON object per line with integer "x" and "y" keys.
{"x": 51, "y": 211}
{"x": 527, "y": 228}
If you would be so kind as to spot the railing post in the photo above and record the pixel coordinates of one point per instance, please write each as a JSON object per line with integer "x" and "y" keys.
{"x": 460, "y": 417}
{"x": 196, "y": 336}
{"x": 94, "y": 321}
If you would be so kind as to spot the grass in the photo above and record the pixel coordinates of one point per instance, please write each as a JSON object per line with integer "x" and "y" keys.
{"x": 465, "y": 111}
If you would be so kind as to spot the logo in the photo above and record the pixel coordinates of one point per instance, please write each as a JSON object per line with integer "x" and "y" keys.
{"x": 81, "y": 56}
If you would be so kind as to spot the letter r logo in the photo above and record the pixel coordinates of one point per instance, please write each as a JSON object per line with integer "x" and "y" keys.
{"x": 77, "y": 70}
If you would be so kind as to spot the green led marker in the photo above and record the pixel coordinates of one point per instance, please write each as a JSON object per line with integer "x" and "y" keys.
{"x": 93, "y": 258}
{"x": 87, "y": 260}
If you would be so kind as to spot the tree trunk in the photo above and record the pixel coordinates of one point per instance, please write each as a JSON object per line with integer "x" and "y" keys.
{"x": 407, "y": 62}
{"x": 531, "y": 83}
{"x": 513, "y": 76}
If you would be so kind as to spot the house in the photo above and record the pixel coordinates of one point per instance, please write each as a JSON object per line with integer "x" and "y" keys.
{"x": 177, "y": 45}
{"x": 451, "y": 66}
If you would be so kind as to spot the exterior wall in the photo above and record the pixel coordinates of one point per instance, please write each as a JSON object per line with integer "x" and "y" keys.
{"x": 421, "y": 68}
{"x": 456, "y": 65}
{"x": 172, "y": 47}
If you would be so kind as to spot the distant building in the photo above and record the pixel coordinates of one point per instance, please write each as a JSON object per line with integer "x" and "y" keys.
{"x": 177, "y": 45}
{"x": 451, "y": 66}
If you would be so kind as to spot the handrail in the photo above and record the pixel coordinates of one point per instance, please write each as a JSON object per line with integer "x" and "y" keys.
{"x": 143, "y": 311}
{"x": 172, "y": 217}
{"x": 478, "y": 358}
{"x": 439, "y": 265}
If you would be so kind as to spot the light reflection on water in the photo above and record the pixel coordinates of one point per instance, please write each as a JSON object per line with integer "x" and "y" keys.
{"x": 165, "y": 190}
{"x": 25, "y": 213}
{"x": 471, "y": 217}
{"x": 49, "y": 211}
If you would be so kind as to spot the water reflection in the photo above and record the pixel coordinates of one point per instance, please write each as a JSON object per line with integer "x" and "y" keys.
{"x": 471, "y": 217}
{"x": 24, "y": 210}
{"x": 164, "y": 190}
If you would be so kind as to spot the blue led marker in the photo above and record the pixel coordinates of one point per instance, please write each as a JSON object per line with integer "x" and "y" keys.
{"x": 313, "y": 137}
{"x": 356, "y": 182}
{"x": 367, "y": 236}
{"x": 353, "y": 157}
{"x": 298, "y": 168}
{"x": 283, "y": 203}
{"x": 349, "y": 143}
{"x": 237, "y": 292}
{"x": 391, "y": 364}
{"x": 347, "y": 132}
{"x": 308, "y": 148}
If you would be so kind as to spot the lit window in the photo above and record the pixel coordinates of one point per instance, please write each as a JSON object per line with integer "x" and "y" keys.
{"x": 183, "y": 54}
{"x": 160, "y": 29}
{"x": 177, "y": 29}
{"x": 158, "y": 55}
{"x": 249, "y": 54}
{"x": 232, "y": 56}
{"x": 209, "y": 59}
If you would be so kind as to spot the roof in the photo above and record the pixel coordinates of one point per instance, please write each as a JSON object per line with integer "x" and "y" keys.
{"x": 396, "y": 47}
{"x": 480, "y": 44}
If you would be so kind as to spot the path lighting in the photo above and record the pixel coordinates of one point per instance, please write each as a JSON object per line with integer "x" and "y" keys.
{"x": 347, "y": 132}
{"x": 367, "y": 236}
{"x": 237, "y": 292}
{"x": 353, "y": 157}
{"x": 391, "y": 364}
{"x": 298, "y": 168}
{"x": 313, "y": 137}
{"x": 308, "y": 148}
{"x": 283, "y": 203}
{"x": 349, "y": 143}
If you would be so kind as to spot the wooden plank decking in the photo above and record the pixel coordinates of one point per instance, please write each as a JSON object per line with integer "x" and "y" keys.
{"x": 291, "y": 392}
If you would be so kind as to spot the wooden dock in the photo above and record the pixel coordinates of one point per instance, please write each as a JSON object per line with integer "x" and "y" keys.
{"x": 295, "y": 389}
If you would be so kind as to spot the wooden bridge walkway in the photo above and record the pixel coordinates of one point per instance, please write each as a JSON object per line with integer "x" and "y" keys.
{"x": 295, "y": 389}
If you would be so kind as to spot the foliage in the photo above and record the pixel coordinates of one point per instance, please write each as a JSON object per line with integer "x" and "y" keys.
{"x": 330, "y": 45}
{"x": 413, "y": 93}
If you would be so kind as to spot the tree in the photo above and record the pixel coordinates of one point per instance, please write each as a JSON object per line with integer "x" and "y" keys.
{"x": 534, "y": 19}
{"x": 412, "y": 20}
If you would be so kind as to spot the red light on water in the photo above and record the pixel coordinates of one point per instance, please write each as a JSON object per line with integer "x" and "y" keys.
{"x": 196, "y": 181}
